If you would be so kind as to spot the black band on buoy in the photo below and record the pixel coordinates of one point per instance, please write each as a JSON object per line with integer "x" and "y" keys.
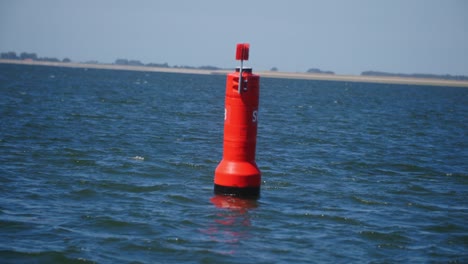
{"x": 245, "y": 192}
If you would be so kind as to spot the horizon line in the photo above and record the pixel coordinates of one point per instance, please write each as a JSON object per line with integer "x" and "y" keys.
{"x": 265, "y": 74}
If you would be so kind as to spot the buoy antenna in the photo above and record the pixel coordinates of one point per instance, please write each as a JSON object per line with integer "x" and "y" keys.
{"x": 242, "y": 53}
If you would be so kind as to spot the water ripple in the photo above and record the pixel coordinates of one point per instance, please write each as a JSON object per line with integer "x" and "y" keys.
{"x": 100, "y": 167}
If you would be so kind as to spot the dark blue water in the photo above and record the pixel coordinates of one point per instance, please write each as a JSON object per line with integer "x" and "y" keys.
{"x": 117, "y": 167}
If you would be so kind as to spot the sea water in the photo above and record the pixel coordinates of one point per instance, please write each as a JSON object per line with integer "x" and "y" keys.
{"x": 102, "y": 166}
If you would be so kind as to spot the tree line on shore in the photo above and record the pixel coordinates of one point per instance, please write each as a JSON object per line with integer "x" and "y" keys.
{"x": 11, "y": 55}
{"x": 126, "y": 62}
{"x": 416, "y": 75}
{"x": 29, "y": 56}
{"x": 33, "y": 56}
{"x": 162, "y": 65}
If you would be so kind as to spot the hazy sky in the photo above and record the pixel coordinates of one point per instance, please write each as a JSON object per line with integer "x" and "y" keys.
{"x": 344, "y": 36}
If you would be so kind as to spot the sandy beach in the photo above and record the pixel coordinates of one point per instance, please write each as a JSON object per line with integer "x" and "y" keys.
{"x": 265, "y": 74}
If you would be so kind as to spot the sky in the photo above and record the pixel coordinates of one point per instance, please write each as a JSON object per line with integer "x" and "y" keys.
{"x": 344, "y": 36}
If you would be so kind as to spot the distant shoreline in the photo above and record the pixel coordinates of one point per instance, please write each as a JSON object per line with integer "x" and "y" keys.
{"x": 266, "y": 74}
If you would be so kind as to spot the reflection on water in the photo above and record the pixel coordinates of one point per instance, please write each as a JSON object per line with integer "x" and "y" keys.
{"x": 237, "y": 210}
{"x": 232, "y": 223}
{"x": 233, "y": 203}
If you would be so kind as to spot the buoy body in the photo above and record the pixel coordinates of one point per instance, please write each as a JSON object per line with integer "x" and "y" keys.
{"x": 237, "y": 174}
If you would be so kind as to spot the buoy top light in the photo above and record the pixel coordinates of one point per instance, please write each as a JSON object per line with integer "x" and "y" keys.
{"x": 242, "y": 51}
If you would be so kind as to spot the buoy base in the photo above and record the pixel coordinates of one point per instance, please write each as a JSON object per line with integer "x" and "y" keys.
{"x": 241, "y": 192}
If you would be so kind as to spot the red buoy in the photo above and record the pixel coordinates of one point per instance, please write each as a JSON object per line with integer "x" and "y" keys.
{"x": 237, "y": 174}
